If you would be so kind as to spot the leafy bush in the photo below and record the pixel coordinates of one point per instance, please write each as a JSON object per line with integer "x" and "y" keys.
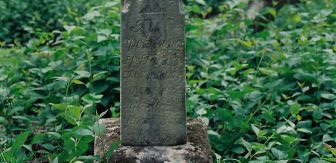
{"x": 23, "y": 19}
{"x": 51, "y": 87}
{"x": 268, "y": 95}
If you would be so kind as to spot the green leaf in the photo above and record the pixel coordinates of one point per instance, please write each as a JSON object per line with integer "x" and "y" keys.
{"x": 37, "y": 138}
{"x": 255, "y": 129}
{"x": 84, "y": 132}
{"x": 295, "y": 108}
{"x": 327, "y": 138}
{"x": 84, "y": 74}
{"x": 75, "y": 111}
{"x": 54, "y": 134}
{"x": 99, "y": 88}
{"x": 99, "y": 76}
{"x": 19, "y": 141}
{"x": 55, "y": 160}
{"x": 238, "y": 150}
{"x": 69, "y": 28}
{"x": 246, "y": 43}
{"x": 288, "y": 139}
{"x": 62, "y": 78}
{"x": 111, "y": 149}
{"x": 78, "y": 82}
{"x": 305, "y": 130}
{"x": 268, "y": 72}
{"x": 247, "y": 145}
{"x": 62, "y": 106}
{"x": 317, "y": 160}
{"x": 89, "y": 158}
{"x": 201, "y": 111}
{"x": 235, "y": 94}
{"x": 73, "y": 114}
{"x": 99, "y": 129}
{"x": 330, "y": 159}
{"x": 101, "y": 38}
{"x": 92, "y": 98}
{"x": 214, "y": 133}
{"x": 332, "y": 150}
{"x": 285, "y": 129}
{"x": 272, "y": 11}
{"x": 202, "y": 2}
{"x": 328, "y": 96}
{"x": 49, "y": 147}
{"x": 280, "y": 155}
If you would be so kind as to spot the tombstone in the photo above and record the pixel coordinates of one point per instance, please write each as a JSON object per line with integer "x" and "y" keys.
{"x": 152, "y": 73}
{"x": 153, "y": 126}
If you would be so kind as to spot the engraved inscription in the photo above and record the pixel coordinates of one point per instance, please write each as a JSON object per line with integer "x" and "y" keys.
{"x": 156, "y": 61}
{"x": 153, "y": 73}
{"x": 160, "y": 122}
{"x": 151, "y": 6}
{"x": 139, "y": 91}
{"x": 138, "y": 74}
{"x": 151, "y": 43}
{"x": 147, "y": 27}
{"x": 138, "y": 102}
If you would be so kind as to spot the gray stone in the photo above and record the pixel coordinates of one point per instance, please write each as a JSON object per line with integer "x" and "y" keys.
{"x": 152, "y": 73}
{"x": 196, "y": 150}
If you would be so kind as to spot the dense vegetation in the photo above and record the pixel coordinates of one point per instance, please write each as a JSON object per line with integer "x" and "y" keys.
{"x": 266, "y": 87}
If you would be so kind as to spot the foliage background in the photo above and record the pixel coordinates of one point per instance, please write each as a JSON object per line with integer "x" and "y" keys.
{"x": 266, "y": 87}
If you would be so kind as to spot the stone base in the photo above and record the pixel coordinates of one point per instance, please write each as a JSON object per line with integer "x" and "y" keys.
{"x": 197, "y": 149}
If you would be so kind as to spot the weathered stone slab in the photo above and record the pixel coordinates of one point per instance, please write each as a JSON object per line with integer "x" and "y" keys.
{"x": 152, "y": 73}
{"x": 196, "y": 150}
